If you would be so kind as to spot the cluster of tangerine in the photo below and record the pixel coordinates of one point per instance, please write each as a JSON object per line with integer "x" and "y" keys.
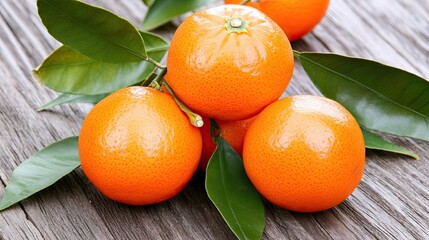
{"x": 230, "y": 63}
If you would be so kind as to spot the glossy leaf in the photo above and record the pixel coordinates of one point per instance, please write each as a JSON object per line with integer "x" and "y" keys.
{"x": 68, "y": 71}
{"x": 381, "y": 97}
{"x": 41, "y": 170}
{"x": 231, "y": 191}
{"x": 162, "y": 11}
{"x": 92, "y": 31}
{"x": 68, "y": 98}
{"x": 373, "y": 141}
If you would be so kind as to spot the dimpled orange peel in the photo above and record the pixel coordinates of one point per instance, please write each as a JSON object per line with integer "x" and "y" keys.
{"x": 304, "y": 153}
{"x": 229, "y": 62}
{"x": 137, "y": 147}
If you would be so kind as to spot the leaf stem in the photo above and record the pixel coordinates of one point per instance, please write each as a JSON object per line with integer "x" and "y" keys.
{"x": 195, "y": 119}
{"x": 296, "y": 53}
{"x": 157, "y": 64}
{"x": 213, "y": 128}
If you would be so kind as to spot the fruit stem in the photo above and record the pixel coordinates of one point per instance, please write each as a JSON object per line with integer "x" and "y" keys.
{"x": 160, "y": 75}
{"x": 155, "y": 83}
{"x": 236, "y": 25}
{"x": 146, "y": 82}
{"x": 195, "y": 119}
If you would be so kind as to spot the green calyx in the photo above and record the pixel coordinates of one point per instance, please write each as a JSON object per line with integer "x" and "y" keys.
{"x": 236, "y": 24}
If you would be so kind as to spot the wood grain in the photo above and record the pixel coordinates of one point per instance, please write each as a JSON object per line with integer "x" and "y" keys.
{"x": 392, "y": 202}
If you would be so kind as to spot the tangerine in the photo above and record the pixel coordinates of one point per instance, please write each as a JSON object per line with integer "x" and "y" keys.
{"x": 137, "y": 147}
{"x": 232, "y": 131}
{"x": 229, "y": 62}
{"x": 295, "y": 17}
{"x": 304, "y": 153}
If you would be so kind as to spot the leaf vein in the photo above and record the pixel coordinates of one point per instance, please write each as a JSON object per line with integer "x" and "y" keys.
{"x": 226, "y": 195}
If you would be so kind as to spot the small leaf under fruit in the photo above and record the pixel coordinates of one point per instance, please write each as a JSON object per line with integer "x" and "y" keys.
{"x": 41, "y": 170}
{"x": 372, "y": 141}
{"x": 231, "y": 191}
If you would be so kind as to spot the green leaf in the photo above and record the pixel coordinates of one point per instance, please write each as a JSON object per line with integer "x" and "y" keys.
{"x": 68, "y": 98}
{"x": 380, "y": 97}
{"x": 41, "y": 170}
{"x": 148, "y": 2}
{"x": 229, "y": 188}
{"x": 92, "y": 31}
{"x": 162, "y": 11}
{"x": 68, "y": 71}
{"x": 372, "y": 141}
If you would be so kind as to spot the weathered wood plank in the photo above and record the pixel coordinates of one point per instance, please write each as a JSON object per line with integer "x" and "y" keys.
{"x": 391, "y": 202}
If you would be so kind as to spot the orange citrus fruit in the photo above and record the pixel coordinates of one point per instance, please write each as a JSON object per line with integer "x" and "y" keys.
{"x": 232, "y": 131}
{"x": 229, "y": 62}
{"x": 295, "y": 17}
{"x": 137, "y": 147}
{"x": 304, "y": 153}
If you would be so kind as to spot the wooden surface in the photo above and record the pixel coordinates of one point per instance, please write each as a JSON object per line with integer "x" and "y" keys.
{"x": 392, "y": 202}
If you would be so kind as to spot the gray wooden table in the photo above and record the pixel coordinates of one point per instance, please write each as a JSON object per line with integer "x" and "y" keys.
{"x": 392, "y": 202}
